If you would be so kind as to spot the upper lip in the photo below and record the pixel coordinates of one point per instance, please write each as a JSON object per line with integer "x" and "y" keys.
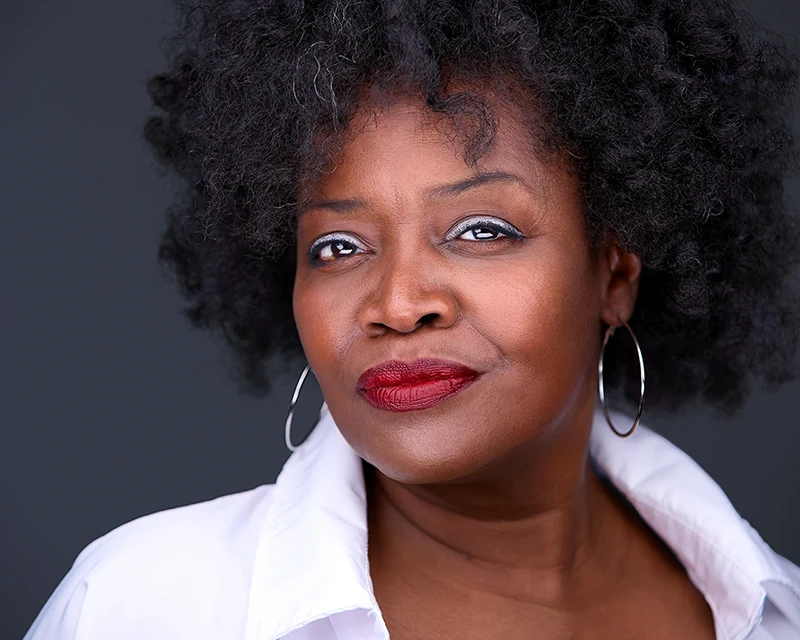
{"x": 395, "y": 373}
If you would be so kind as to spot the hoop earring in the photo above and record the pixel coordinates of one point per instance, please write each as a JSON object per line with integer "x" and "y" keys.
{"x": 290, "y": 414}
{"x": 601, "y": 386}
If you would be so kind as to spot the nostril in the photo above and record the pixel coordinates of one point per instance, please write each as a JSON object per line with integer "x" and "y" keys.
{"x": 428, "y": 318}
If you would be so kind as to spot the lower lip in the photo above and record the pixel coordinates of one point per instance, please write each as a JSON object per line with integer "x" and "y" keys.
{"x": 413, "y": 397}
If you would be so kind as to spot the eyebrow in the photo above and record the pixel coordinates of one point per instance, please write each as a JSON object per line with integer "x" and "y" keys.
{"x": 438, "y": 192}
{"x": 337, "y": 206}
{"x": 478, "y": 180}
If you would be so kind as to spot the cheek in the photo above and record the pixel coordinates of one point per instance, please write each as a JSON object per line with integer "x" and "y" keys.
{"x": 310, "y": 311}
{"x": 323, "y": 313}
{"x": 541, "y": 315}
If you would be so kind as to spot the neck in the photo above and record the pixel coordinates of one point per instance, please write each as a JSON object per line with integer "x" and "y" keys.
{"x": 538, "y": 527}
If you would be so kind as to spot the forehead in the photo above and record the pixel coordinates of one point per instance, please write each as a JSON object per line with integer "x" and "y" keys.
{"x": 399, "y": 139}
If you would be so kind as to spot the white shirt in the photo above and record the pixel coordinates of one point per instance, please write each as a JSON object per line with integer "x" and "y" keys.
{"x": 289, "y": 560}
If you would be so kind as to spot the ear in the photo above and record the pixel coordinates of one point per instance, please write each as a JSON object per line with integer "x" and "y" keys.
{"x": 619, "y": 281}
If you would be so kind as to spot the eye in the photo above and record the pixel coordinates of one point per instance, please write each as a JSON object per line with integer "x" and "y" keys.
{"x": 483, "y": 229}
{"x": 334, "y": 247}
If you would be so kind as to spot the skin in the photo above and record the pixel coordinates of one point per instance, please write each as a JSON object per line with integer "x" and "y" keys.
{"x": 486, "y": 519}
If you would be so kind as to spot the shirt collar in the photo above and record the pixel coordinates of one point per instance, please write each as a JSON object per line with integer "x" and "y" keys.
{"x": 726, "y": 560}
{"x": 311, "y": 560}
{"x": 312, "y": 563}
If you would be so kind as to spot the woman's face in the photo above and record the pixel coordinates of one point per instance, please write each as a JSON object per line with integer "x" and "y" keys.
{"x": 406, "y": 253}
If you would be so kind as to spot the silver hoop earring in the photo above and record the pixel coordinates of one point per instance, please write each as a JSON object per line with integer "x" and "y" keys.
{"x": 601, "y": 387}
{"x": 290, "y": 414}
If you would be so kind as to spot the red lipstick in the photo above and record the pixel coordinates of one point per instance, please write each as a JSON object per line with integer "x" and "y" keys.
{"x": 410, "y": 386}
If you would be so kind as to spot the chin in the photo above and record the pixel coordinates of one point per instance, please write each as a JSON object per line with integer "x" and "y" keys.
{"x": 429, "y": 455}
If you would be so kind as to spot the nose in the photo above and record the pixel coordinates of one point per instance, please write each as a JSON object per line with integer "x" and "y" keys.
{"x": 408, "y": 293}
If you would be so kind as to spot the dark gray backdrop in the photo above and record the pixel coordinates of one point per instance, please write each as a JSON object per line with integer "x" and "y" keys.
{"x": 111, "y": 406}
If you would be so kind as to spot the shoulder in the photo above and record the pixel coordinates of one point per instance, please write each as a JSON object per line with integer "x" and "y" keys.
{"x": 781, "y": 611}
{"x": 197, "y": 532}
{"x": 725, "y": 557}
{"x": 188, "y": 568}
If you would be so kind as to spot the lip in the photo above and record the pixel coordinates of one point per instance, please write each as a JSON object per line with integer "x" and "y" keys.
{"x": 400, "y": 386}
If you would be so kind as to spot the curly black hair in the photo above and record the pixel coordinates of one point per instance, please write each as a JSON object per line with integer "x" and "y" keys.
{"x": 675, "y": 115}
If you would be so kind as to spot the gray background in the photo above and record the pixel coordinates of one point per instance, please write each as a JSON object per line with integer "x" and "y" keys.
{"x": 111, "y": 406}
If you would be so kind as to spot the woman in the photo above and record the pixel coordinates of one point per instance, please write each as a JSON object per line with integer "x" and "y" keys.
{"x": 450, "y": 208}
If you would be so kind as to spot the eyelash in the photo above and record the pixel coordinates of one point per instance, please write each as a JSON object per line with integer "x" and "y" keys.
{"x": 486, "y": 223}
{"x": 470, "y": 224}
